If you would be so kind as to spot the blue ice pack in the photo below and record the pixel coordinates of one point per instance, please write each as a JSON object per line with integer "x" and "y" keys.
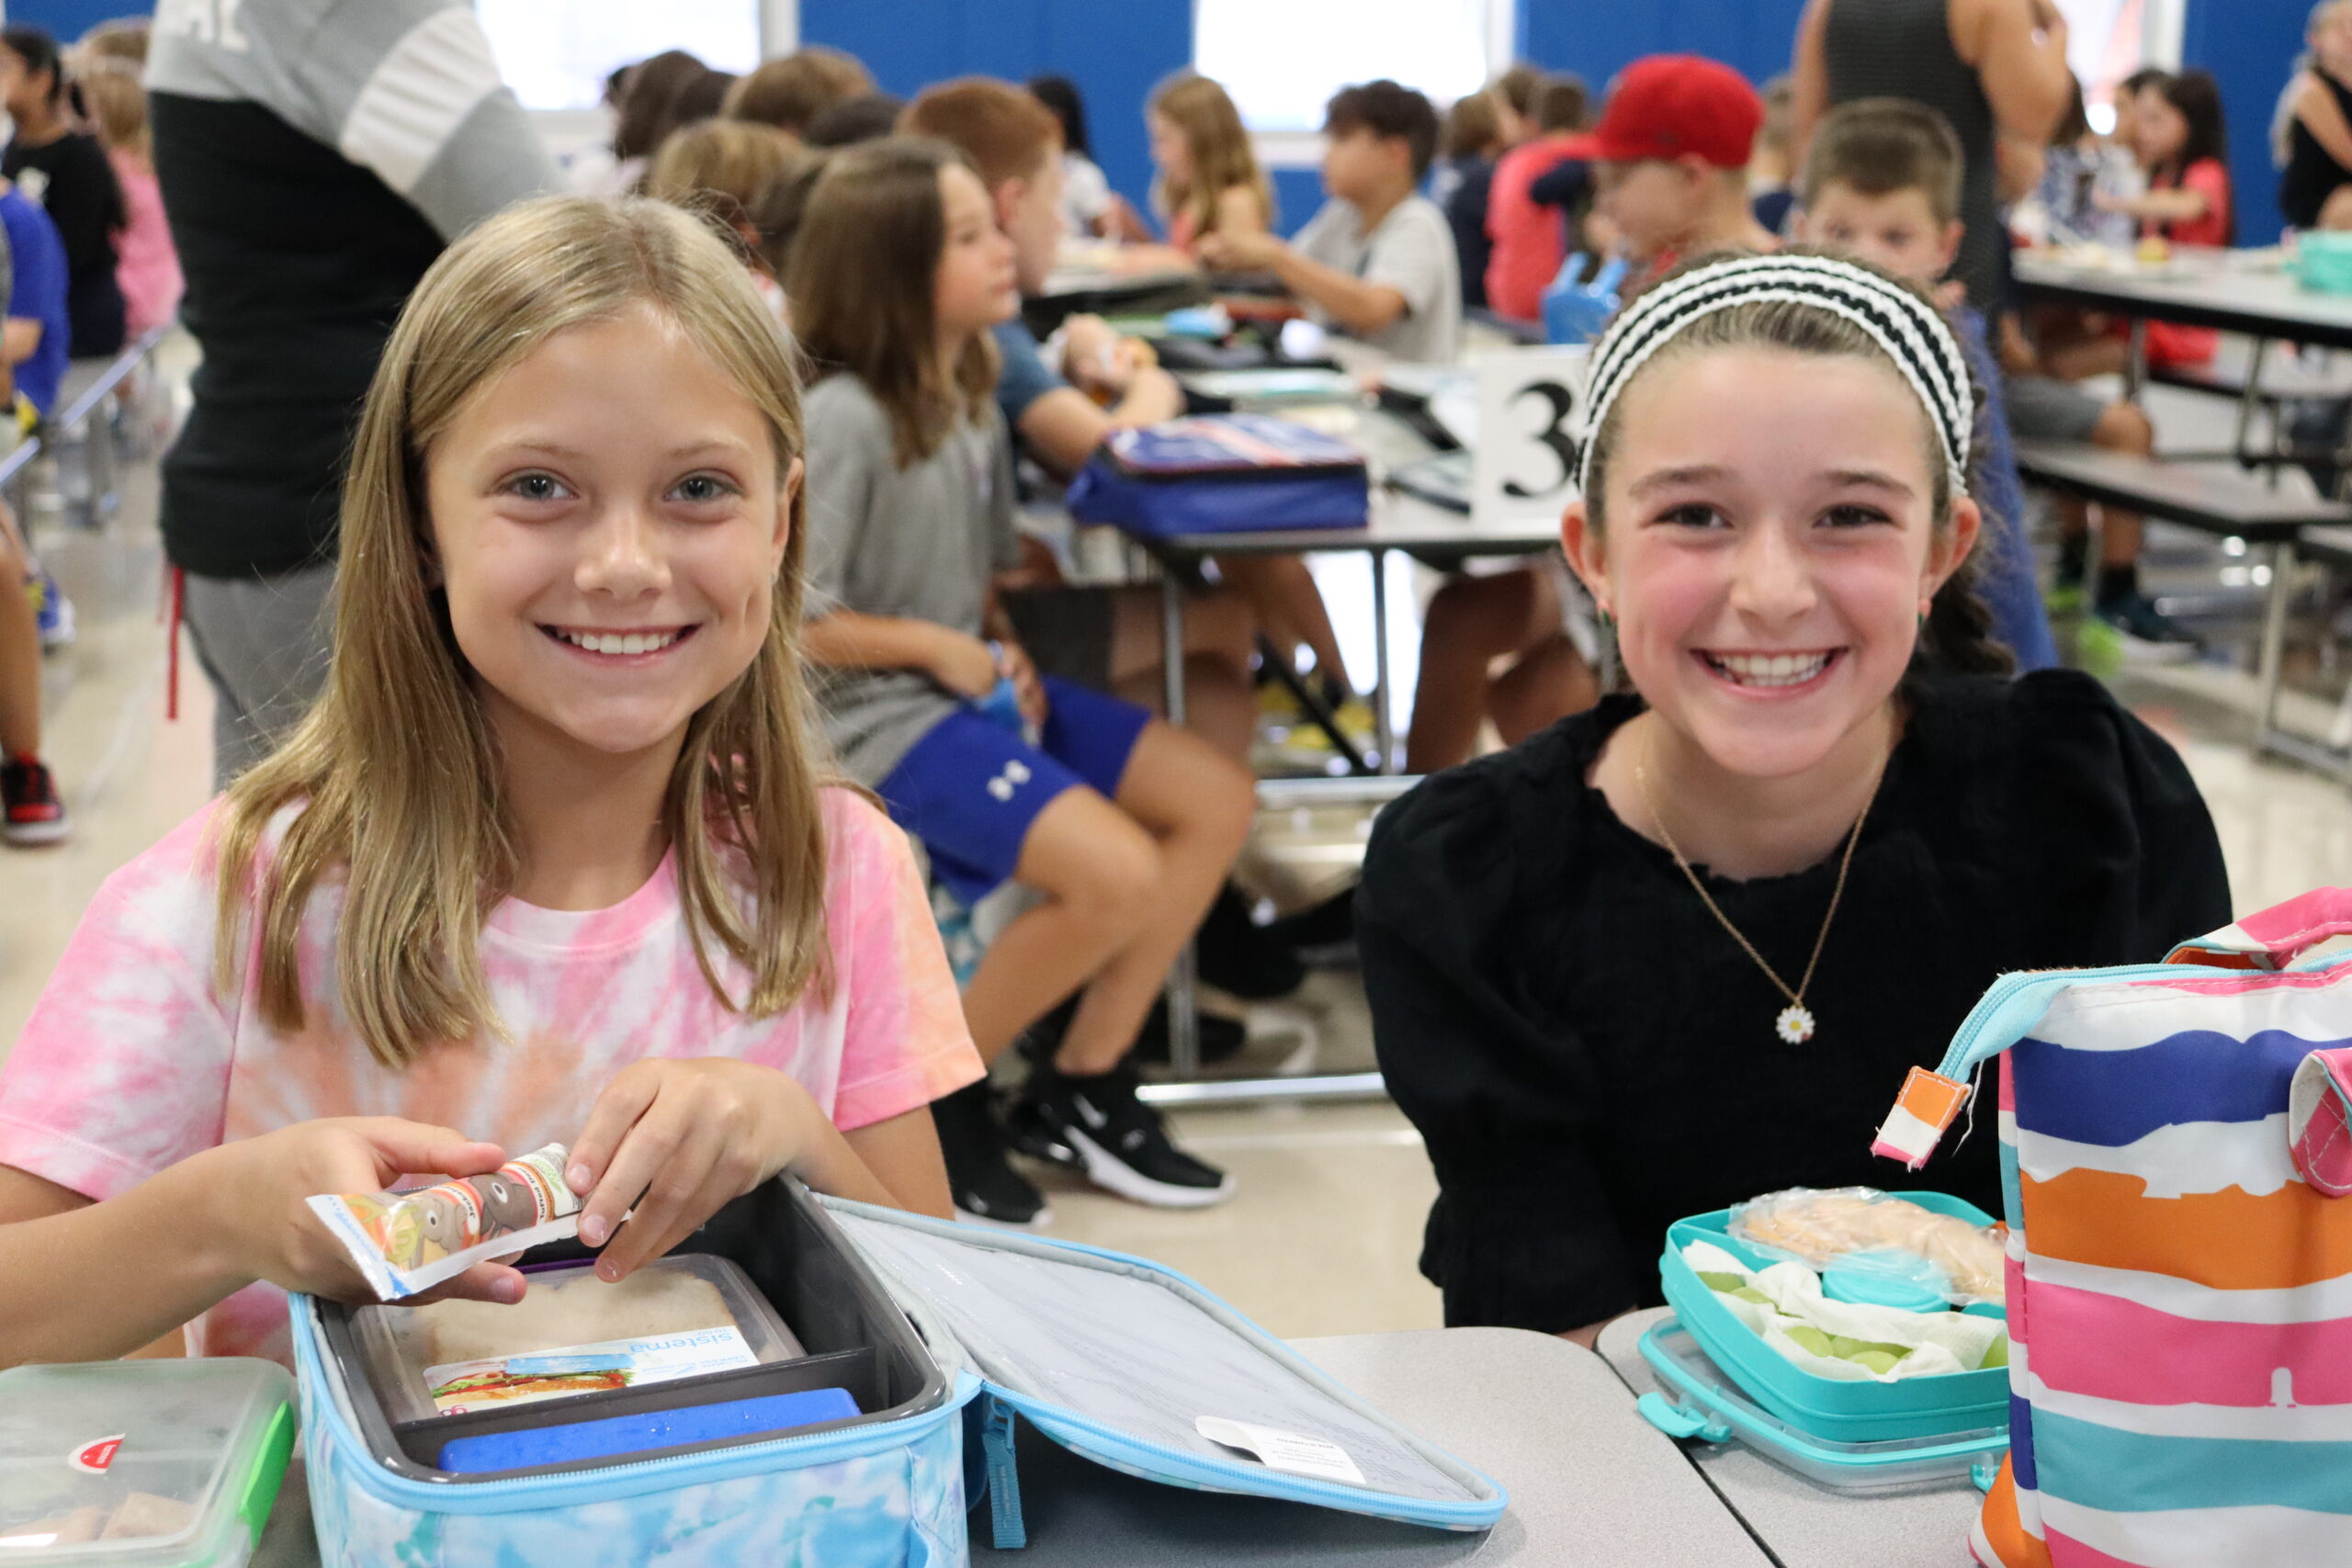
{"x": 639, "y": 1434}
{"x": 1222, "y": 474}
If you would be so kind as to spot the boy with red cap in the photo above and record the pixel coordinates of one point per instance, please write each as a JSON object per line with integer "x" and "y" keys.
{"x": 1670, "y": 158}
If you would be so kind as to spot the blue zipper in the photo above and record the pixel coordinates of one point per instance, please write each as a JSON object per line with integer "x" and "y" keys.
{"x": 1011, "y": 1531}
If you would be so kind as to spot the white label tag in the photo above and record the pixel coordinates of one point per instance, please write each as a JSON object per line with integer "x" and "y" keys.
{"x": 1292, "y": 1453}
{"x": 1531, "y": 418}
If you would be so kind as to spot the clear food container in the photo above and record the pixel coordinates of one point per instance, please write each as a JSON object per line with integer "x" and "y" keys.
{"x": 140, "y": 1464}
{"x": 684, "y": 1315}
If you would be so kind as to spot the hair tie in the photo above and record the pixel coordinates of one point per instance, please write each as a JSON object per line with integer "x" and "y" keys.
{"x": 1912, "y": 333}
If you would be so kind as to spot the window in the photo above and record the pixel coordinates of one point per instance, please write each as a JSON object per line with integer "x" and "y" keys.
{"x": 1282, "y": 60}
{"x": 556, "y": 53}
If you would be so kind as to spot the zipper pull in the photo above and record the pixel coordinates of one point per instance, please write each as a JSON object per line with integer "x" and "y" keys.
{"x": 1004, "y": 1476}
{"x": 1926, "y": 1107}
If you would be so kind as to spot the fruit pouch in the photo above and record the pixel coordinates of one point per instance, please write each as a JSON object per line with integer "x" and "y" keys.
{"x": 408, "y": 1242}
{"x": 1849, "y": 1341}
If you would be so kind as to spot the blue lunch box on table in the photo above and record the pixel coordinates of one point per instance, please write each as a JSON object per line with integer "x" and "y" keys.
{"x": 1726, "y": 1382}
{"x": 1222, "y": 474}
{"x": 943, "y": 1336}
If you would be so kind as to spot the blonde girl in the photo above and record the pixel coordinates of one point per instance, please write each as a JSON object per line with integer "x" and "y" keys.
{"x": 554, "y": 859}
{"x": 1209, "y": 180}
{"x": 1665, "y": 955}
{"x": 148, "y": 267}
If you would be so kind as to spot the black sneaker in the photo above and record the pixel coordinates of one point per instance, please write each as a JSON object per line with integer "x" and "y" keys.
{"x": 1241, "y": 957}
{"x": 2149, "y": 635}
{"x": 1097, "y": 1127}
{"x": 984, "y": 1186}
{"x": 30, "y": 810}
{"x": 1324, "y": 934}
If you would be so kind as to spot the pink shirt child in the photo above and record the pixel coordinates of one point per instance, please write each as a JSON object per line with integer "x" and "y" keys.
{"x": 131, "y": 1061}
{"x": 147, "y": 268}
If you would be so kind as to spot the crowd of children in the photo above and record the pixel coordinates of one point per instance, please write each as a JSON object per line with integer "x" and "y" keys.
{"x": 682, "y": 560}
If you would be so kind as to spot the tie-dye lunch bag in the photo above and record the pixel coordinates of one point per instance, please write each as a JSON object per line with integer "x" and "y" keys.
{"x": 2174, "y": 1147}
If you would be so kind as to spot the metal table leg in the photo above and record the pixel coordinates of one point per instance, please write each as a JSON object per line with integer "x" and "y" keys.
{"x": 2249, "y": 402}
{"x": 2274, "y": 642}
{"x": 1384, "y": 727}
{"x": 2135, "y": 361}
{"x": 1184, "y": 996}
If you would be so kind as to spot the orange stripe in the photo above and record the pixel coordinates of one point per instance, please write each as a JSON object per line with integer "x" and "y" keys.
{"x": 2003, "y": 1531}
{"x": 2228, "y": 1240}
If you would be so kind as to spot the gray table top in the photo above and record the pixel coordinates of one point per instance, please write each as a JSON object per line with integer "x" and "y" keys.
{"x": 2210, "y": 289}
{"x": 1805, "y": 1524}
{"x": 1589, "y": 1481}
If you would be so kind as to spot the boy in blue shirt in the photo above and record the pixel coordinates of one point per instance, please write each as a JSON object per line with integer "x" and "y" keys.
{"x": 1882, "y": 183}
{"x": 36, "y": 336}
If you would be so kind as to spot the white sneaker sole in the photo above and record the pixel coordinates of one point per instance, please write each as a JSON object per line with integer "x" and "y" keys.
{"x": 1112, "y": 1174}
{"x": 36, "y": 834}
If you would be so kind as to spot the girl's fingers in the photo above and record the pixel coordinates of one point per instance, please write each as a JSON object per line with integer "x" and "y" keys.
{"x": 641, "y": 1175}
{"x": 673, "y": 1186}
{"x": 715, "y": 1194}
{"x": 416, "y": 1148}
{"x": 496, "y": 1282}
{"x": 617, "y": 1110}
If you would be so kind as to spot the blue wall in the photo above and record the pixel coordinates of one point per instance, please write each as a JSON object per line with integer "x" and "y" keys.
{"x": 1596, "y": 39}
{"x": 69, "y": 20}
{"x": 2248, "y": 45}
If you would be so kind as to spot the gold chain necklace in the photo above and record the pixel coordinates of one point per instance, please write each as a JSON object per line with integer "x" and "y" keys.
{"x": 1795, "y": 1023}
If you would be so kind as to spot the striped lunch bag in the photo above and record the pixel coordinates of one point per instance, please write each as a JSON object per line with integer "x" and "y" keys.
{"x": 2173, "y": 1143}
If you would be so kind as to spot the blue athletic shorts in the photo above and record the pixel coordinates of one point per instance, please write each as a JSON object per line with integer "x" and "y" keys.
{"x": 970, "y": 787}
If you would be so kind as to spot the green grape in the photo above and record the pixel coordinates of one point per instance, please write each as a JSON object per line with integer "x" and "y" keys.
{"x": 1716, "y": 1281}
{"x": 1878, "y": 1361}
{"x": 1998, "y": 1355}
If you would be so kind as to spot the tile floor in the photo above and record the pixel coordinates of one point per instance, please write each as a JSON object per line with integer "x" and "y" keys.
{"x": 1323, "y": 1235}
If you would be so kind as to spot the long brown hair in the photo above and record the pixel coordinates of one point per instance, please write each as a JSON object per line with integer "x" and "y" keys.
{"x": 1222, "y": 156}
{"x": 395, "y": 779}
{"x": 1958, "y": 636}
{"x": 862, "y": 279}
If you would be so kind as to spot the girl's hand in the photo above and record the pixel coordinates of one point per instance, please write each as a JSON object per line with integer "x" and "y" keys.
{"x": 964, "y": 665}
{"x": 260, "y": 1183}
{"x": 676, "y": 1140}
{"x": 1028, "y": 690}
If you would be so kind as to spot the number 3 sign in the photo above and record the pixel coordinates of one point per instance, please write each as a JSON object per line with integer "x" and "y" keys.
{"x": 1530, "y": 429}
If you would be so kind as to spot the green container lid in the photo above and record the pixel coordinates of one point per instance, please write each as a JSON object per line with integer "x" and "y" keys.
{"x": 140, "y": 1464}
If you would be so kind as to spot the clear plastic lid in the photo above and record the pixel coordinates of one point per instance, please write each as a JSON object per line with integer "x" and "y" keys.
{"x": 140, "y": 1464}
{"x": 1698, "y": 1401}
{"x": 571, "y": 1332}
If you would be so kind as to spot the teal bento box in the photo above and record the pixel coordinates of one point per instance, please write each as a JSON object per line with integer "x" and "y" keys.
{"x": 1904, "y": 1410}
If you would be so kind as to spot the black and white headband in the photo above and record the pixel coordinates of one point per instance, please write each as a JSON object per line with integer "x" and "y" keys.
{"x": 1907, "y": 328}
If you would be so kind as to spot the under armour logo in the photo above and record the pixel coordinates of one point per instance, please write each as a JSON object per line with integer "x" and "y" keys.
{"x": 1015, "y": 774}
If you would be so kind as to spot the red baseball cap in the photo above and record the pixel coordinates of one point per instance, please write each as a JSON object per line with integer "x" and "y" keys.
{"x": 1668, "y": 106}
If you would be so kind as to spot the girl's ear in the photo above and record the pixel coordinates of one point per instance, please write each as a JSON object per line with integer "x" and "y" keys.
{"x": 1009, "y": 195}
{"x": 784, "y": 497}
{"x": 1947, "y": 549}
{"x": 1581, "y": 542}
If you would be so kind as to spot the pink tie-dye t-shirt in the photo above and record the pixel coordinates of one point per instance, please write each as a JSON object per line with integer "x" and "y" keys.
{"x": 131, "y": 1061}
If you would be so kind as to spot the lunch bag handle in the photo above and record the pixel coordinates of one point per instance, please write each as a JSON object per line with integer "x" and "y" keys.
{"x": 2275, "y": 938}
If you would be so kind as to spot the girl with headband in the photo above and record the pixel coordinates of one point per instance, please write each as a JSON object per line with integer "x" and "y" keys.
{"x": 1673, "y": 951}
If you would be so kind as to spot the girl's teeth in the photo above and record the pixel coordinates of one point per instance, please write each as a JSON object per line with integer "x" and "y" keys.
{"x": 610, "y": 642}
{"x": 1770, "y": 670}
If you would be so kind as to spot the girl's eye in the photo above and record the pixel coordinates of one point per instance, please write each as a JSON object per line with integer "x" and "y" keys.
{"x": 536, "y": 487}
{"x": 702, "y": 488}
{"x": 1692, "y": 514}
{"x": 1854, "y": 516}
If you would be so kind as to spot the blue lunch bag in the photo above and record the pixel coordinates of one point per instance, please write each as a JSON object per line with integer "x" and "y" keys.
{"x": 1222, "y": 474}
{"x": 947, "y": 1336}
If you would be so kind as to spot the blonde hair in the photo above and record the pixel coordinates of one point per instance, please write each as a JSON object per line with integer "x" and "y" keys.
{"x": 119, "y": 104}
{"x": 721, "y": 167}
{"x": 396, "y": 772}
{"x": 1222, "y": 156}
{"x": 790, "y": 92}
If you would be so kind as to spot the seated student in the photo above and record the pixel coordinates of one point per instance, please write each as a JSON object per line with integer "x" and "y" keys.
{"x": 790, "y": 92}
{"x": 1881, "y": 183}
{"x": 1771, "y": 177}
{"x": 1681, "y": 950}
{"x": 36, "y": 337}
{"x": 555, "y": 857}
{"x": 1377, "y": 262}
{"x": 1209, "y": 182}
{"x": 1670, "y": 158}
{"x": 1472, "y": 140}
{"x": 1528, "y": 240}
{"x": 1124, "y": 826}
{"x": 722, "y": 169}
{"x": 2315, "y": 190}
{"x": 1090, "y": 206}
{"x": 64, "y": 171}
{"x": 148, "y": 272}
{"x": 1105, "y": 638}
